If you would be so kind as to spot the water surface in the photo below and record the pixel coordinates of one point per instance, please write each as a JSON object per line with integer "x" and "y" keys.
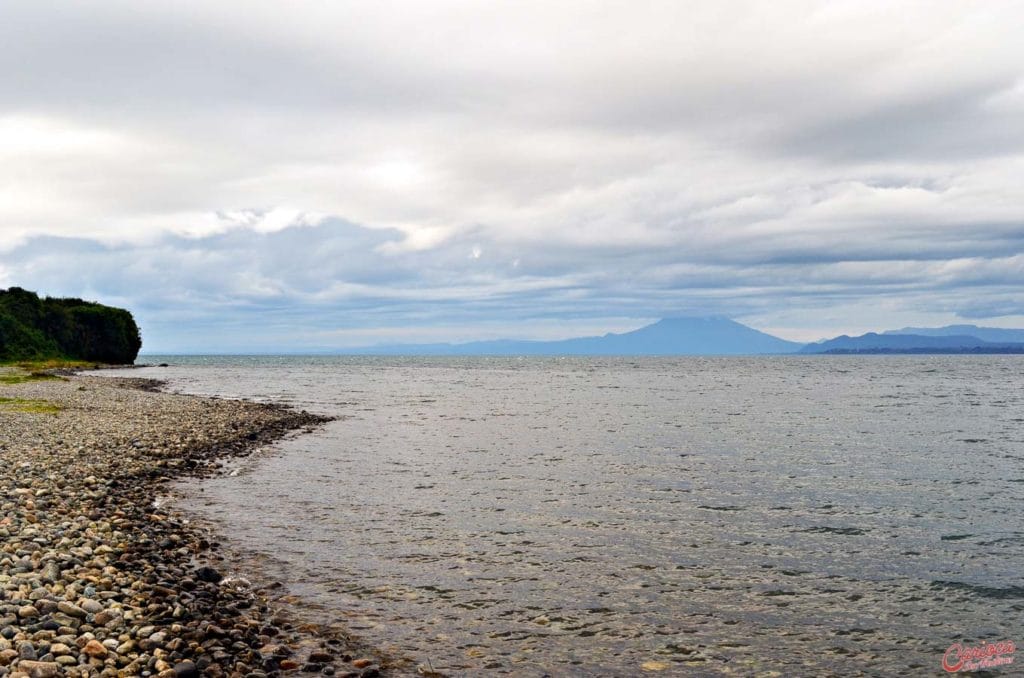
{"x": 810, "y": 516}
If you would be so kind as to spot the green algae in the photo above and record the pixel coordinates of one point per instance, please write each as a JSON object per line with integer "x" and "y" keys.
{"x": 22, "y": 377}
{"x": 29, "y": 406}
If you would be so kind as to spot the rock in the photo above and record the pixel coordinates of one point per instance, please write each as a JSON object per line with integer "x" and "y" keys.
{"x": 105, "y": 617}
{"x": 51, "y": 572}
{"x": 275, "y": 651}
{"x": 94, "y": 648}
{"x": 186, "y": 669}
{"x": 71, "y": 609}
{"x": 36, "y": 669}
{"x": 61, "y": 619}
{"x": 28, "y": 612}
{"x": 361, "y": 663}
{"x": 96, "y": 580}
{"x": 208, "y": 574}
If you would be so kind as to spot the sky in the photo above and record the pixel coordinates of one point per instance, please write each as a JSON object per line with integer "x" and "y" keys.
{"x": 262, "y": 176}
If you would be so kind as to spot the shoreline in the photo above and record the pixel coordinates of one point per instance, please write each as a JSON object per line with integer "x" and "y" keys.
{"x": 99, "y": 579}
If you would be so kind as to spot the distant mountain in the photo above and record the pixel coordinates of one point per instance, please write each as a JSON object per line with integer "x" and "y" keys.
{"x": 671, "y": 336}
{"x": 991, "y": 334}
{"x": 911, "y": 343}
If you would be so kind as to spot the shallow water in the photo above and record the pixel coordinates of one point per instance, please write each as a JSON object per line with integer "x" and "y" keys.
{"x": 811, "y": 516}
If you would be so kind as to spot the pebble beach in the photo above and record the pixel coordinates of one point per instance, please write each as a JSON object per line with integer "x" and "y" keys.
{"x": 97, "y": 578}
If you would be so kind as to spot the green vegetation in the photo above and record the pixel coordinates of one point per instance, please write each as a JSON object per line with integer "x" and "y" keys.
{"x": 30, "y": 406}
{"x": 21, "y": 377}
{"x": 40, "y": 366}
{"x": 44, "y": 330}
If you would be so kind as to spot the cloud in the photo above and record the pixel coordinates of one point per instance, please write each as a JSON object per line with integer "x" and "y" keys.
{"x": 367, "y": 164}
{"x": 318, "y": 286}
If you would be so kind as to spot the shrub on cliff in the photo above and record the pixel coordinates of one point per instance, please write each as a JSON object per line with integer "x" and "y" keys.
{"x": 32, "y": 328}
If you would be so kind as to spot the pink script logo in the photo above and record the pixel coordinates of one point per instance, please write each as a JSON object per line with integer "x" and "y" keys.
{"x": 959, "y": 657}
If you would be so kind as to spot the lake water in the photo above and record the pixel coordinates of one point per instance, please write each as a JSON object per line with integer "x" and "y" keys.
{"x": 570, "y": 516}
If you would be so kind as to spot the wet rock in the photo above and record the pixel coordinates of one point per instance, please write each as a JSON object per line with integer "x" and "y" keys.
{"x": 208, "y": 574}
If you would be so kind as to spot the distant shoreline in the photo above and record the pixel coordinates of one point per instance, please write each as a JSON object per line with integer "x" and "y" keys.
{"x": 973, "y": 350}
{"x": 831, "y": 352}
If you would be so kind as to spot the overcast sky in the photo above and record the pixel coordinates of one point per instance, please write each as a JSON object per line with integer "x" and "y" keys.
{"x": 252, "y": 176}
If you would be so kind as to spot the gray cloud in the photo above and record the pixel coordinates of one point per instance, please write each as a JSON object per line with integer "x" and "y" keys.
{"x": 316, "y": 172}
{"x": 317, "y": 287}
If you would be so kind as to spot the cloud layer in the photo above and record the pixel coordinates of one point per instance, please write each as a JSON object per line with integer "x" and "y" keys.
{"x": 316, "y": 174}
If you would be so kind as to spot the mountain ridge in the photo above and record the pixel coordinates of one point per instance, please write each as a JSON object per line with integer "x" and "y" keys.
{"x": 874, "y": 342}
{"x": 989, "y": 334}
{"x": 685, "y": 335}
{"x": 720, "y": 335}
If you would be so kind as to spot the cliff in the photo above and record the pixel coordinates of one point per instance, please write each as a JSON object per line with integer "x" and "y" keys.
{"x": 34, "y": 328}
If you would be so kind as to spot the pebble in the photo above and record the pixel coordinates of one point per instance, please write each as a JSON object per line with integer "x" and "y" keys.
{"x": 95, "y": 648}
{"x": 208, "y": 574}
{"x": 186, "y": 670}
{"x": 36, "y": 669}
{"x": 96, "y": 579}
{"x": 71, "y": 609}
